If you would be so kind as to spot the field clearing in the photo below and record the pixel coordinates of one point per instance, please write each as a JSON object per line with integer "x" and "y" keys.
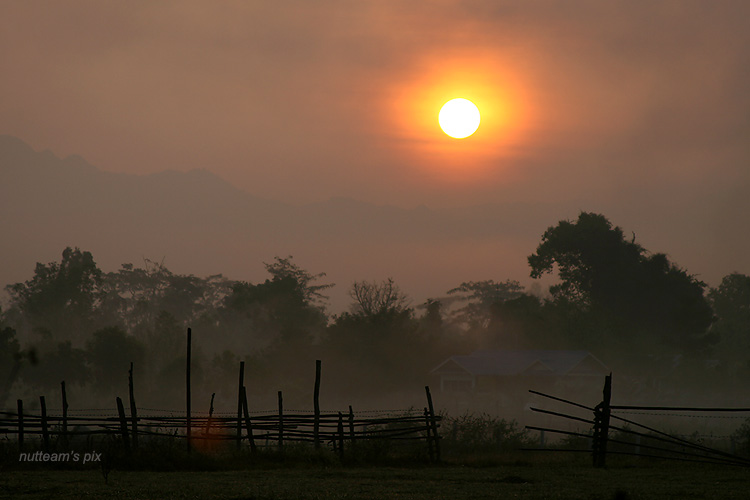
{"x": 557, "y": 479}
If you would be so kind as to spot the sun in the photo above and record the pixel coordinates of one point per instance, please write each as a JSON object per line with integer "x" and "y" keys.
{"x": 459, "y": 118}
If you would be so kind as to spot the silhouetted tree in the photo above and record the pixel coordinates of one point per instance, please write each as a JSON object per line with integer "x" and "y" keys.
{"x": 283, "y": 268}
{"x": 110, "y": 352}
{"x": 377, "y": 299}
{"x": 134, "y": 297}
{"x": 61, "y": 299}
{"x": 731, "y": 303}
{"x": 480, "y": 298}
{"x": 379, "y": 343}
{"x": 624, "y": 292}
{"x": 10, "y": 361}
{"x": 63, "y": 362}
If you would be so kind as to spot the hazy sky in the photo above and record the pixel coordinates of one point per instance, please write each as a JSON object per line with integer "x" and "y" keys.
{"x": 301, "y": 100}
{"x": 636, "y": 109}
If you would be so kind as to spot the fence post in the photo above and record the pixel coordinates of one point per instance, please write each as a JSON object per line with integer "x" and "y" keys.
{"x": 45, "y": 432}
{"x": 210, "y": 415}
{"x": 316, "y": 404}
{"x": 341, "y": 436}
{"x": 428, "y": 426}
{"x": 281, "y": 422}
{"x": 188, "y": 422}
{"x": 133, "y": 410}
{"x": 433, "y": 424}
{"x": 20, "y": 425}
{"x": 601, "y": 424}
{"x": 64, "y": 437}
{"x": 351, "y": 426}
{"x": 240, "y": 392}
{"x": 248, "y": 425}
{"x": 123, "y": 424}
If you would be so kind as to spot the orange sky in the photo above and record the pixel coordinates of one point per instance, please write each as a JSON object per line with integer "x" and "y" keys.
{"x": 591, "y": 102}
{"x": 303, "y": 101}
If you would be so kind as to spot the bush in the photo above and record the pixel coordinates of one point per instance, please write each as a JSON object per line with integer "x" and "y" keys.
{"x": 471, "y": 433}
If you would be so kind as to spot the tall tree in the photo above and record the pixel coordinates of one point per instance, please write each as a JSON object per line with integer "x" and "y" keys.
{"x": 61, "y": 299}
{"x": 481, "y": 297}
{"x": 623, "y": 289}
{"x": 731, "y": 303}
{"x": 285, "y": 308}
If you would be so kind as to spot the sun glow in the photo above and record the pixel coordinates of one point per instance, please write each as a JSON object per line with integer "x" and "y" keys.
{"x": 459, "y": 118}
{"x": 431, "y": 148}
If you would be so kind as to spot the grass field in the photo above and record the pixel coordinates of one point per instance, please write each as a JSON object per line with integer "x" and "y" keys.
{"x": 558, "y": 478}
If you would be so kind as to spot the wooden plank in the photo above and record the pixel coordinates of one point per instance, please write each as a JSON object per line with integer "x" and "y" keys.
{"x": 64, "y": 436}
{"x": 351, "y": 426}
{"x": 20, "y": 425}
{"x": 210, "y": 415}
{"x": 601, "y": 424}
{"x": 433, "y": 423}
{"x": 187, "y": 395}
{"x": 45, "y": 431}
{"x": 428, "y": 428}
{"x": 133, "y": 410}
{"x": 240, "y": 399}
{"x": 281, "y": 422}
{"x": 316, "y": 404}
{"x": 341, "y": 436}
{"x": 123, "y": 424}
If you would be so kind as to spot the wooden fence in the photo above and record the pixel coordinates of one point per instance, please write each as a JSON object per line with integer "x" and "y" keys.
{"x": 648, "y": 441}
{"x": 253, "y": 429}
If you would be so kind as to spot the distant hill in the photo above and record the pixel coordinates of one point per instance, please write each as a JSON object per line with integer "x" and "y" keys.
{"x": 200, "y": 224}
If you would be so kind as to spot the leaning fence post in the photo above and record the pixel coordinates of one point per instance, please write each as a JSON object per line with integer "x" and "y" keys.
{"x": 20, "y": 425}
{"x": 210, "y": 415}
{"x": 188, "y": 421}
{"x": 240, "y": 390}
{"x": 45, "y": 432}
{"x": 64, "y": 437}
{"x": 123, "y": 424}
{"x": 248, "y": 425}
{"x": 133, "y": 410}
{"x": 316, "y": 404}
{"x": 281, "y": 422}
{"x": 433, "y": 424}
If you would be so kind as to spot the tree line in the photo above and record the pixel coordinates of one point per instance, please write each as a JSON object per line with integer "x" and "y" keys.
{"x": 638, "y": 311}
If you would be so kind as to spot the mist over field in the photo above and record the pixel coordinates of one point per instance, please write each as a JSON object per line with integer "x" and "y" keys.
{"x": 389, "y": 295}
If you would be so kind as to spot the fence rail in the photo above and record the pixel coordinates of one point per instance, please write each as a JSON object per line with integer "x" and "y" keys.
{"x": 243, "y": 427}
{"x": 662, "y": 445}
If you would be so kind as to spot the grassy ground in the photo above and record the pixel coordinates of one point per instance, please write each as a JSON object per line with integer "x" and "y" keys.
{"x": 543, "y": 478}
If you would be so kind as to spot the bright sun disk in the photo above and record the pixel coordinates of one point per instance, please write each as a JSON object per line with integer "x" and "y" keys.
{"x": 459, "y": 118}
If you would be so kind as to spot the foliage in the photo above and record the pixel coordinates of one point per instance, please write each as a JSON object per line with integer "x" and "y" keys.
{"x": 377, "y": 299}
{"x": 623, "y": 290}
{"x": 283, "y": 268}
{"x": 481, "y": 297}
{"x": 731, "y": 303}
{"x": 61, "y": 299}
{"x": 63, "y": 362}
{"x": 475, "y": 433}
{"x": 613, "y": 298}
{"x": 110, "y": 352}
{"x": 135, "y": 297}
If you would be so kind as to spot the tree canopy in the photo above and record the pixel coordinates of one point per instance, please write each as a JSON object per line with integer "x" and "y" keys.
{"x": 624, "y": 289}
